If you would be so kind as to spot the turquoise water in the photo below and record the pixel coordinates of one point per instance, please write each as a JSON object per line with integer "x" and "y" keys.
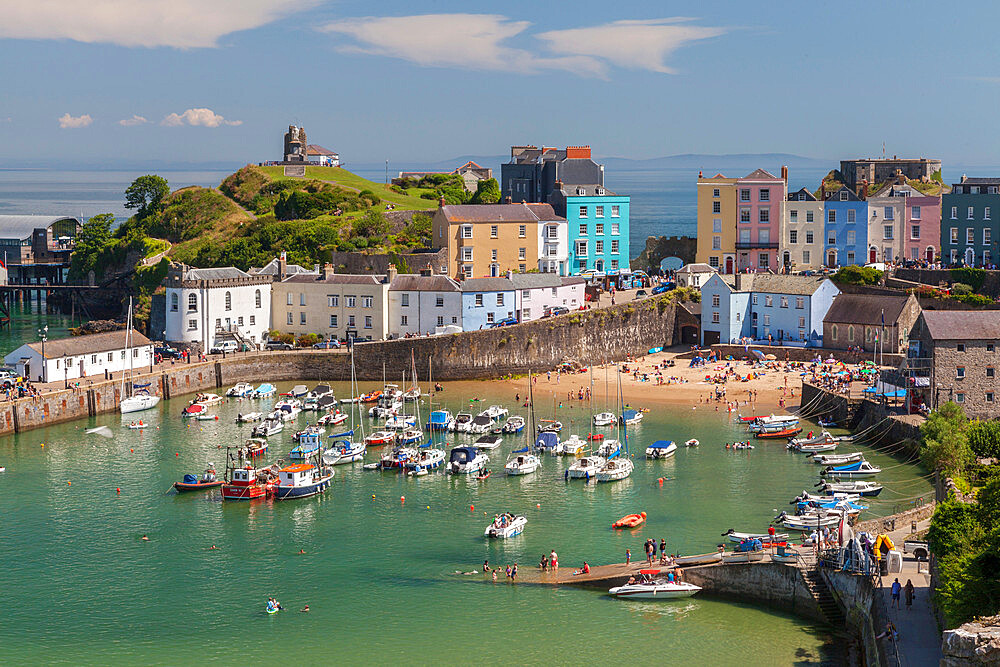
{"x": 25, "y": 323}
{"x": 378, "y": 573}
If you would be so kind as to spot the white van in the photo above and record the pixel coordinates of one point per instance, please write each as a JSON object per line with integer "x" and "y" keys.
{"x": 224, "y": 346}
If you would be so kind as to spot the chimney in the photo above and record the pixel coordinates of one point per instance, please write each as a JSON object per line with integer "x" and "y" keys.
{"x": 282, "y": 265}
{"x": 441, "y": 201}
{"x": 577, "y": 152}
{"x": 784, "y": 174}
{"x": 864, "y": 189}
{"x": 699, "y": 173}
{"x": 326, "y": 271}
{"x": 427, "y": 270}
{"x": 390, "y": 274}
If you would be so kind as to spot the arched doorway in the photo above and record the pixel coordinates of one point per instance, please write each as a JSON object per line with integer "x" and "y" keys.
{"x": 831, "y": 259}
{"x": 930, "y": 253}
{"x": 872, "y": 255}
{"x": 970, "y": 257}
{"x": 599, "y": 265}
{"x": 786, "y": 258}
{"x": 729, "y": 264}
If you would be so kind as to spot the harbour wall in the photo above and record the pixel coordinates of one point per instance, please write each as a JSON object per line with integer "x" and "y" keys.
{"x": 774, "y": 585}
{"x": 864, "y": 611}
{"x": 593, "y": 336}
{"x": 782, "y": 352}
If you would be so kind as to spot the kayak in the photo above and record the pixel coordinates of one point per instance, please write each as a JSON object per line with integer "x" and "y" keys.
{"x": 136, "y": 427}
{"x": 630, "y": 521}
{"x": 654, "y": 350}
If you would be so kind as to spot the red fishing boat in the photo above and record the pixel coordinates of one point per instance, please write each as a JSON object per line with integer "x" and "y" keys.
{"x": 244, "y": 481}
{"x": 778, "y": 435}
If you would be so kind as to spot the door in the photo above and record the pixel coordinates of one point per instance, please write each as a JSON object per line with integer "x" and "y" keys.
{"x": 831, "y": 259}
{"x": 712, "y": 337}
{"x": 729, "y": 264}
{"x": 970, "y": 257}
{"x": 930, "y": 254}
{"x": 872, "y": 255}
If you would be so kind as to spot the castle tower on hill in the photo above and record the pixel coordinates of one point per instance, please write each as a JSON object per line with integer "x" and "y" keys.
{"x": 295, "y": 144}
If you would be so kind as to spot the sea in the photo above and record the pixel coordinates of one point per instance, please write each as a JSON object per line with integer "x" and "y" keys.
{"x": 391, "y": 567}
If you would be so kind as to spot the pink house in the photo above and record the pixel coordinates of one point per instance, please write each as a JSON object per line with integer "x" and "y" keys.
{"x": 923, "y": 228}
{"x": 758, "y": 222}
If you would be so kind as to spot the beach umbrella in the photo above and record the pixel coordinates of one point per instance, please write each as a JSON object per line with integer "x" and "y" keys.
{"x": 758, "y": 354}
{"x": 770, "y": 357}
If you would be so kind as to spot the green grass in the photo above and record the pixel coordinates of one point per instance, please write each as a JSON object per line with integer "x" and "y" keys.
{"x": 342, "y": 177}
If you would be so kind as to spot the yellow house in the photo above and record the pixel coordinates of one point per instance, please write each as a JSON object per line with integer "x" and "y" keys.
{"x": 487, "y": 240}
{"x": 717, "y": 222}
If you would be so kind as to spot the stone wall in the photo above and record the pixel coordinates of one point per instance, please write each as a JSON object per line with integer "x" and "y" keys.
{"x": 857, "y": 598}
{"x": 972, "y": 644}
{"x": 659, "y": 247}
{"x": 804, "y": 353}
{"x": 769, "y": 584}
{"x": 364, "y": 263}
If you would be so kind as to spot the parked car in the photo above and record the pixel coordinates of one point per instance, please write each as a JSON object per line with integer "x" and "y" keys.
{"x": 278, "y": 345}
{"x": 919, "y": 549}
{"x": 558, "y": 310}
{"x": 641, "y": 293}
{"x": 7, "y": 379}
{"x": 506, "y": 322}
{"x": 224, "y": 346}
{"x": 664, "y": 287}
{"x": 168, "y": 352}
{"x": 327, "y": 345}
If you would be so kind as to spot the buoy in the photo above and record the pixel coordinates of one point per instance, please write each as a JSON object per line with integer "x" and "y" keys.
{"x": 118, "y": 490}
{"x": 538, "y": 505}
{"x": 660, "y": 481}
{"x": 69, "y": 483}
{"x": 373, "y": 496}
{"x": 402, "y": 499}
{"x": 43, "y": 444}
{"x": 131, "y": 450}
{"x": 428, "y": 507}
{"x": 177, "y": 453}
{"x": 472, "y": 508}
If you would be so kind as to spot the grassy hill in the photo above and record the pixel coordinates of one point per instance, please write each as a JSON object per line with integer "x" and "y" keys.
{"x": 410, "y": 200}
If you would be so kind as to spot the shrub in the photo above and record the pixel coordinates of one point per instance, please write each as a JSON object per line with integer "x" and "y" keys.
{"x": 974, "y": 299}
{"x": 307, "y": 340}
{"x": 959, "y": 289}
{"x": 857, "y": 275}
{"x": 970, "y": 276}
{"x": 984, "y": 438}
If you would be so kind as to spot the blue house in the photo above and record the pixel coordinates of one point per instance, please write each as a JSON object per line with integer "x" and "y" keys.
{"x": 786, "y": 309}
{"x": 598, "y": 227}
{"x": 846, "y": 228}
{"x": 486, "y": 301}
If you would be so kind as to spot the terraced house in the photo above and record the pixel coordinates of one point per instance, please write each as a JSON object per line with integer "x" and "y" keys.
{"x": 717, "y": 222}
{"x": 597, "y": 224}
{"x": 758, "y": 227}
{"x": 969, "y": 231}
{"x": 903, "y": 224}
{"x": 802, "y": 231}
{"x": 333, "y": 305}
{"x": 846, "y": 227}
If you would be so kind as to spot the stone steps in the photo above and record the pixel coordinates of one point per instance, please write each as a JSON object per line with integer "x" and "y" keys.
{"x": 824, "y": 598}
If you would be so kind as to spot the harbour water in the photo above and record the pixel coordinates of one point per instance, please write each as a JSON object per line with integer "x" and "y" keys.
{"x": 378, "y": 573}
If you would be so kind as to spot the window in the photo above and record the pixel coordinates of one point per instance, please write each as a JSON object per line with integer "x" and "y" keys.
{"x": 887, "y": 212}
{"x": 793, "y": 215}
{"x": 914, "y": 231}
{"x": 289, "y": 319}
{"x": 229, "y": 300}
{"x": 489, "y": 319}
{"x": 479, "y": 301}
{"x": 599, "y": 247}
{"x": 754, "y": 298}
{"x": 716, "y": 243}
{"x": 598, "y": 212}
{"x": 614, "y": 229}
{"x": 850, "y": 333}
{"x": 763, "y": 236}
{"x": 522, "y": 268}
{"x": 960, "y": 372}
{"x": 192, "y": 324}
{"x": 768, "y": 301}
{"x": 784, "y": 302}
{"x": 954, "y": 213}
{"x": 974, "y": 190}
{"x": 173, "y": 302}
{"x": 831, "y": 237}
{"x": 887, "y": 232}
{"x": 809, "y": 216}
{"x": 614, "y": 213}
{"x": 843, "y": 196}
{"x": 600, "y": 228}
{"x": 715, "y": 317}
{"x": 713, "y": 261}
{"x": 366, "y": 302}
{"x": 744, "y": 236}
{"x": 802, "y": 322}
{"x": 954, "y": 235}
{"x": 800, "y": 302}
{"x": 288, "y": 299}
{"x": 111, "y": 356}
{"x": 352, "y": 301}
{"x": 915, "y": 213}
{"x": 850, "y": 257}
{"x": 192, "y": 303}
{"x": 494, "y": 231}
{"x": 350, "y": 321}
{"x": 716, "y": 226}
{"x": 970, "y": 235}
{"x": 253, "y": 320}
{"x": 987, "y": 236}
{"x": 553, "y": 291}
{"x": 805, "y": 256}
{"x": 831, "y": 216}
{"x": 466, "y": 231}
{"x": 302, "y": 318}
{"x": 745, "y": 194}
{"x": 989, "y": 397}
{"x": 403, "y": 321}
{"x": 850, "y": 237}
{"x": 715, "y": 300}
{"x": 368, "y": 321}
{"x": 404, "y": 300}
{"x": 439, "y": 301}
{"x": 986, "y": 213}
{"x": 715, "y": 192}
{"x": 553, "y": 231}
{"x": 961, "y": 347}
{"x": 765, "y": 194}
{"x": 960, "y": 398}
{"x": 990, "y": 372}
{"x": 744, "y": 215}
{"x": 522, "y": 231}
{"x": 581, "y": 248}
{"x": 990, "y": 347}
{"x": 764, "y": 215}
{"x": 333, "y": 320}
{"x": 500, "y": 298}
{"x": 809, "y": 237}
{"x": 239, "y": 321}
{"x": 833, "y": 332}
{"x": 302, "y": 298}
{"x": 583, "y": 211}
{"x": 767, "y": 320}
{"x": 522, "y": 253}
{"x": 954, "y": 255}
{"x": 583, "y": 229}
{"x": 969, "y": 214}
{"x": 737, "y": 316}
{"x": 493, "y": 255}
{"x": 852, "y": 215}
{"x": 467, "y": 254}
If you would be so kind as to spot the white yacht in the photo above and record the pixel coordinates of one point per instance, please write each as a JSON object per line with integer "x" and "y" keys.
{"x": 506, "y": 525}
{"x": 604, "y": 419}
{"x": 615, "y": 469}
{"x": 522, "y": 463}
{"x": 574, "y": 445}
{"x": 585, "y": 467}
{"x": 466, "y": 461}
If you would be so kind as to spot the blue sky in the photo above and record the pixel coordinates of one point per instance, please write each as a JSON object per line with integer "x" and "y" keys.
{"x": 219, "y": 80}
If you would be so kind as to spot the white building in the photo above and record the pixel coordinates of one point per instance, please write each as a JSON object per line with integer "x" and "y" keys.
{"x": 553, "y": 246}
{"x": 206, "y": 304}
{"x": 423, "y": 304}
{"x": 535, "y": 294}
{"x": 78, "y": 356}
{"x": 694, "y": 275}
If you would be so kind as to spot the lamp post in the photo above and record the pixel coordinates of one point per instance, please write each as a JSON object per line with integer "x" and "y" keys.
{"x": 65, "y": 374}
{"x": 44, "y": 333}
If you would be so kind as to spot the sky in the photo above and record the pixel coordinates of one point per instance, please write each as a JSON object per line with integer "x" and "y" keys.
{"x": 198, "y": 81}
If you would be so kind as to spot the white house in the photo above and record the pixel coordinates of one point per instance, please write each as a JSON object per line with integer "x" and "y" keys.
{"x": 535, "y": 294}
{"x": 78, "y": 356}
{"x": 423, "y": 304}
{"x": 553, "y": 247}
{"x": 205, "y": 304}
{"x": 694, "y": 275}
{"x": 322, "y": 156}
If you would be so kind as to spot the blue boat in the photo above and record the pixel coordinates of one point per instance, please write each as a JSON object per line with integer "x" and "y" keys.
{"x": 439, "y": 420}
{"x": 631, "y": 417}
{"x": 301, "y": 480}
{"x": 264, "y": 390}
{"x": 547, "y": 440}
{"x": 307, "y": 447}
{"x": 850, "y": 470}
{"x": 830, "y": 504}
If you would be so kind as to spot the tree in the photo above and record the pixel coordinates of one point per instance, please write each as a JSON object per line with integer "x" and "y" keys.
{"x": 946, "y": 444}
{"x": 857, "y": 275}
{"x": 984, "y": 438}
{"x": 92, "y": 240}
{"x": 371, "y": 225}
{"x": 146, "y": 194}
{"x": 487, "y": 192}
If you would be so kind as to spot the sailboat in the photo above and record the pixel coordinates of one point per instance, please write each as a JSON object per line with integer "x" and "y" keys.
{"x": 141, "y": 399}
{"x": 617, "y": 467}
{"x": 428, "y": 457}
{"x": 602, "y": 418}
{"x": 344, "y": 449}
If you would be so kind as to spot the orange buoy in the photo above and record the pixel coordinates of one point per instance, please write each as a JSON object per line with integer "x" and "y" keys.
{"x": 472, "y": 508}
{"x": 177, "y": 453}
{"x": 68, "y": 482}
{"x": 118, "y": 490}
{"x": 373, "y": 496}
{"x": 130, "y": 449}
{"x": 538, "y": 505}
{"x": 402, "y": 499}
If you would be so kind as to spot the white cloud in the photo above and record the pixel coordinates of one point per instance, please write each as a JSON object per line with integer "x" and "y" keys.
{"x": 133, "y": 121}
{"x": 67, "y": 122}
{"x": 202, "y": 117}
{"x": 481, "y": 42}
{"x": 460, "y": 41}
{"x": 634, "y": 44}
{"x": 182, "y": 24}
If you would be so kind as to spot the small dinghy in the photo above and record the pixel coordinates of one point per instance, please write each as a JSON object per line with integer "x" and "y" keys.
{"x": 193, "y": 483}
{"x": 858, "y": 469}
{"x": 691, "y": 443}
{"x": 837, "y": 459}
{"x": 630, "y": 521}
{"x": 138, "y": 426}
{"x": 372, "y": 466}
{"x": 419, "y": 471}
{"x": 699, "y": 559}
{"x": 506, "y": 525}
{"x": 379, "y": 438}
{"x": 869, "y": 489}
{"x": 207, "y": 418}
{"x": 249, "y": 417}
{"x": 549, "y": 426}
{"x": 596, "y": 437}
{"x": 661, "y": 449}
{"x": 736, "y": 536}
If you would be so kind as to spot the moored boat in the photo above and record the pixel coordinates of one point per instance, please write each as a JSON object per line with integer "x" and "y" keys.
{"x": 301, "y": 480}
{"x": 207, "y": 399}
{"x": 265, "y": 390}
{"x": 691, "y": 443}
{"x": 661, "y": 449}
{"x": 699, "y": 559}
{"x": 522, "y": 462}
{"x": 514, "y": 424}
{"x": 736, "y": 536}
{"x": 249, "y": 417}
{"x": 439, "y": 420}
{"x": 547, "y": 441}
{"x": 461, "y": 423}
{"x": 254, "y": 447}
{"x": 631, "y": 417}
{"x": 247, "y": 482}
{"x": 837, "y": 459}
{"x": 466, "y": 461}
{"x": 658, "y": 589}
{"x": 208, "y": 480}
{"x": 615, "y": 469}
{"x": 585, "y": 467}
{"x": 506, "y": 525}
{"x": 308, "y": 446}
{"x": 779, "y": 434}
{"x": 332, "y": 418}
{"x": 343, "y": 451}
{"x": 870, "y": 489}
{"x": 549, "y": 426}
{"x": 267, "y": 427}
{"x": 609, "y": 449}
{"x": 860, "y": 468}
{"x": 240, "y": 389}
{"x": 574, "y": 445}
{"x": 604, "y": 419}
{"x": 379, "y": 438}
{"x": 481, "y": 423}
{"x": 630, "y": 521}
{"x": 298, "y": 391}
{"x": 427, "y": 458}
{"x": 487, "y": 442}
{"x": 744, "y": 557}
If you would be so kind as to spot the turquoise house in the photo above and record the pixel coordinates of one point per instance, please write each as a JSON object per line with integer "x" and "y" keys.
{"x": 598, "y": 227}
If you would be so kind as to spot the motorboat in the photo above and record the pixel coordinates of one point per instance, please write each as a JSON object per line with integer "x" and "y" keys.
{"x": 411, "y": 394}
{"x": 138, "y": 403}
{"x": 521, "y": 462}
{"x": 860, "y": 468}
{"x": 397, "y": 457}
{"x": 319, "y": 391}
{"x": 630, "y": 521}
{"x": 326, "y": 403}
{"x": 207, "y": 399}
{"x": 495, "y": 413}
{"x": 301, "y": 480}
{"x": 840, "y": 503}
{"x": 615, "y": 469}
{"x": 604, "y": 419}
{"x": 739, "y": 445}
{"x": 344, "y": 451}
{"x": 255, "y": 447}
{"x": 661, "y": 449}
{"x": 815, "y": 449}
{"x": 699, "y": 559}
{"x": 828, "y": 423}
{"x": 574, "y": 445}
{"x": 334, "y": 418}
{"x": 298, "y": 391}
{"x": 240, "y": 390}
{"x": 487, "y": 442}
{"x": 206, "y": 417}
{"x": 837, "y": 459}
{"x": 736, "y": 536}
{"x": 249, "y": 417}
{"x": 585, "y": 467}
{"x": 779, "y": 434}
{"x": 771, "y": 420}
{"x": 691, "y": 443}
{"x": 379, "y": 438}
{"x": 265, "y": 390}
{"x": 248, "y": 482}
{"x": 744, "y": 556}
{"x": 549, "y": 426}
{"x": 506, "y": 525}
{"x": 391, "y": 393}
{"x": 439, "y": 420}
{"x": 466, "y": 461}
{"x": 461, "y": 423}
{"x": 514, "y": 424}
{"x": 307, "y": 448}
{"x": 807, "y": 523}
{"x": 409, "y": 436}
{"x": 193, "y": 410}
{"x": 481, "y": 423}
{"x": 547, "y": 441}
{"x": 654, "y": 589}
{"x": 309, "y": 430}
{"x": 400, "y": 423}
{"x": 823, "y": 438}
{"x": 870, "y": 489}
{"x": 208, "y": 480}
{"x": 369, "y": 397}
{"x": 385, "y": 408}
{"x": 609, "y": 449}
{"x": 267, "y": 427}
{"x": 631, "y": 417}
{"x": 427, "y": 458}
{"x": 287, "y": 409}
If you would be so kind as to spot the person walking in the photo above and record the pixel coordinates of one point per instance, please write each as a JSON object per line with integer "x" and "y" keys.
{"x": 908, "y": 590}
{"x": 896, "y": 587}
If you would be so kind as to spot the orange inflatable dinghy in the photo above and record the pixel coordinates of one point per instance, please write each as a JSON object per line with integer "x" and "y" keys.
{"x": 630, "y": 521}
